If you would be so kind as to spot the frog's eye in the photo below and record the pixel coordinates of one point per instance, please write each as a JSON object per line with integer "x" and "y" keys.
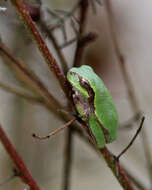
{"x": 84, "y": 84}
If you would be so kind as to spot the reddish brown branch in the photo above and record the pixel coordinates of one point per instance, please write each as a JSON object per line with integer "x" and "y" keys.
{"x": 117, "y": 170}
{"x": 31, "y": 26}
{"x": 25, "y": 175}
{"x": 112, "y": 163}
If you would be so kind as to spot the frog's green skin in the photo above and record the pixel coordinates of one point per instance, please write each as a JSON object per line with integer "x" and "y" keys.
{"x": 94, "y": 104}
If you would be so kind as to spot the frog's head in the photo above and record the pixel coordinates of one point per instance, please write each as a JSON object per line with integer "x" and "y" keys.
{"x": 78, "y": 83}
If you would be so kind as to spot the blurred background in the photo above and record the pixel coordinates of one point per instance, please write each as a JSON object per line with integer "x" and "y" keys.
{"x": 20, "y": 118}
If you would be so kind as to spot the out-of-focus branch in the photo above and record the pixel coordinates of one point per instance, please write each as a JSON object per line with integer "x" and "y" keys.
{"x": 68, "y": 154}
{"x": 24, "y": 173}
{"x": 62, "y": 59}
{"x": 129, "y": 124}
{"x": 20, "y": 92}
{"x": 34, "y": 81}
{"x": 128, "y": 82}
{"x": 82, "y": 21}
{"x": 84, "y": 40}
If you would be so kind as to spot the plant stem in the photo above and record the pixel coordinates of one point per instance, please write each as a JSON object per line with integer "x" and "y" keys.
{"x": 84, "y": 4}
{"x": 62, "y": 59}
{"x": 25, "y": 174}
{"x": 67, "y": 159}
{"x": 88, "y": 141}
{"x": 21, "y": 93}
{"x": 50, "y": 60}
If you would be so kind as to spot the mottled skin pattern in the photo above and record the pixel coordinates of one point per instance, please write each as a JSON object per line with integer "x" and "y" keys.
{"x": 94, "y": 103}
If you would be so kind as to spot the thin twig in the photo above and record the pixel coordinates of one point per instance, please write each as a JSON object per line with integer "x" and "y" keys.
{"x": 51, "y": 37}
{"x": 66, "y": 15}
{"x": 83, "y": 41}
{"x": 132, "y": 140}
{"x": 25, "y": 174}
{"x": 68, "y": 43}
{"x": 127, "y": 79}
{"x": 55, "y": 131}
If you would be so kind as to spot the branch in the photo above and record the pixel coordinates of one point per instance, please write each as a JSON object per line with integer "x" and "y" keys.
{"x": 21, "y": 93}
{"x": 25, "y": 175}
{"x": 115, "y": 166}
{"x": 50, "y": 60}
{"x": 79, "y": 132}
{"x": 50, "y": 101}
{"x": 62, "y": 59}
{"x": 83, "y": 40}
{"x": 138, "y": 183}
{"x": 82, "y": 21}
{"x": 68, "y": 150}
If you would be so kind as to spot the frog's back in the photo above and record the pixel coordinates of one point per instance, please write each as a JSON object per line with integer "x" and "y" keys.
{"x": 104, "y": 106}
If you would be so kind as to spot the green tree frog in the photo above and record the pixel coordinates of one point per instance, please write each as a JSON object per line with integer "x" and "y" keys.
{"x": 94, "y": 104}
